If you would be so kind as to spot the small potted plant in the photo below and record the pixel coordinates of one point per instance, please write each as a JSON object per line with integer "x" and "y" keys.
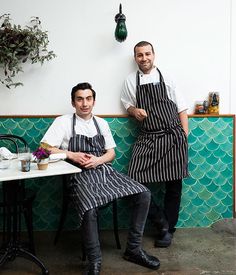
{"x": 42, "y": 157}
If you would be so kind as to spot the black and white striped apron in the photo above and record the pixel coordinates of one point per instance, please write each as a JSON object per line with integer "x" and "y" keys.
{"x": 160, "y": 152}
{"x": 95, "y": 187}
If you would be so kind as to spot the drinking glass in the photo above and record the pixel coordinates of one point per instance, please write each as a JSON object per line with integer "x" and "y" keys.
{"x": 24, "y": 157}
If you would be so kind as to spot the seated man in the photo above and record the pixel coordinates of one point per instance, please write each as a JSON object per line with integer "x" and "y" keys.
{"x": 87, "y": 141}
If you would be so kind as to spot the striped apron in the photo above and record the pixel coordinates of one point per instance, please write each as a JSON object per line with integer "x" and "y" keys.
{"x": 95, "y": 187}
{"x": 160, "y": 152}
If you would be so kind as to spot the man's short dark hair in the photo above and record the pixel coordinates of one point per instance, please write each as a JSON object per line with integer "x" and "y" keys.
{"x": 142, "y": 44}
{"x": 82, "y": 86}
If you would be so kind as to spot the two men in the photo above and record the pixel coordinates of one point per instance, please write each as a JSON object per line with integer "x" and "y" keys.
{"x": 160, "y": 152}
{"x": 87, "y": 141}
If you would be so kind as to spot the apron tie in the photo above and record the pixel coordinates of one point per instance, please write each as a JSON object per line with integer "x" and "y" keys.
{"x": 161, "y": 133}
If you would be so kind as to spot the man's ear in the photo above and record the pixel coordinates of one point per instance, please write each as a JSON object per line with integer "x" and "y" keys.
{"x": 73, "y": 103}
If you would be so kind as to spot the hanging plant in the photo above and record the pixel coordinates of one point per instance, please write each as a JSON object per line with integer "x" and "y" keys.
{"x": 18, "y": 45}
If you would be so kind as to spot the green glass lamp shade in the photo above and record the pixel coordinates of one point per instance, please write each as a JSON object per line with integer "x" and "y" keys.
{"x": 121, "y": 31}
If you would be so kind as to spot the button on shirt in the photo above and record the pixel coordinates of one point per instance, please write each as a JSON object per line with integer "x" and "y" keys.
{"x": 60, "y": 132}
{"x": 128, "y": 95}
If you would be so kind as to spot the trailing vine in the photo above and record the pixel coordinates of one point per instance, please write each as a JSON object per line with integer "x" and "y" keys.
{"x": 21, "y": 44}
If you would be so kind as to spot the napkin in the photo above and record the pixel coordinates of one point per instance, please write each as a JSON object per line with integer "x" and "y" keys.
{"x": 57, "y": 156}
{"x": 5, "y": 153}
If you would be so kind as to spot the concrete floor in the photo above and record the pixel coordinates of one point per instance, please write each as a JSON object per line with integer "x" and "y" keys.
{"x": 197, "y": 251}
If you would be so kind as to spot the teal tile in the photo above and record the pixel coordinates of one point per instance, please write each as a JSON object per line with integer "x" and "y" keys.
{"x": 205, "y": 153}
{"x": 212, "y": 201}
{"x": 205, "y": 195}
{"x": 212, "y": 146}
{"x": 212, "y": 187}
{"x": 227, "y": 187}
{"x": 213, "y": 215}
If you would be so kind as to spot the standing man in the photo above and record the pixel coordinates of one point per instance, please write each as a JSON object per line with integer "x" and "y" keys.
{"x": 160, "y": 152}
{"x": 88, "y": 143}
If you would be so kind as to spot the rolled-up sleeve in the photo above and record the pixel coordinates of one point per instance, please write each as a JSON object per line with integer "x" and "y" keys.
{"x": 128, "y": 93}
{"x": 107, "y": 134}
{"x": 57, "y": 135}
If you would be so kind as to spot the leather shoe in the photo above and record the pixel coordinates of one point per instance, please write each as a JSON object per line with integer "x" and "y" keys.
{"x": 162, "y": 227}
{"x": 164, "y": 241}
{"x": 142, "y": 258}
{"x": 93, "y": 269}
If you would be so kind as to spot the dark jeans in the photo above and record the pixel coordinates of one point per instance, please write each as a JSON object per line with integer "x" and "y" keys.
{"x": 140, "y": 206}
{"x": 168, "y": 216}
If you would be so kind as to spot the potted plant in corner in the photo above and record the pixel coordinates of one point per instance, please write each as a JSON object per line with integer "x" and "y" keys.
{"x": 41, "y": 155}
{"x": 17, "y": 45}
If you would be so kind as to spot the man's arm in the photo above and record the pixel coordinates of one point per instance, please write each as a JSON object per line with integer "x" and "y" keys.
{"x": 93, "y": 161}
{"x": 139, "y": 114}
{"x": 184, "y": 121}
{"x": 128, "y": 98}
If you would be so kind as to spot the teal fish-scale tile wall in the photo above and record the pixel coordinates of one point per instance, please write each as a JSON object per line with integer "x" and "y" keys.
{"x": 207, "y": 192}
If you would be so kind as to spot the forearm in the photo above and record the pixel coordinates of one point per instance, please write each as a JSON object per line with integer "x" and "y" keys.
{"x": 54, "y": 150}
{"x": 139, "y": 114}
{"x": 77, "y": 157}
{"x": 131, "y": 111}
{"x": 108, "y": 156}
{"x": 93, "y": 161}
{"x": 184, "y": 121}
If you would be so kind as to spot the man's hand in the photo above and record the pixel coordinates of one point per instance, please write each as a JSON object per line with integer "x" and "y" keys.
{"x": 78, "y": 157}
{"x": 92, "y": 161}
{"x": 139, "y": 114}
{"x": 85, "y": 160}
{"x": 89, "y": 161}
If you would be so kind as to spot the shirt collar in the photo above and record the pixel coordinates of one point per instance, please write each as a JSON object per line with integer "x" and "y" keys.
{"x": 83, "y": 120}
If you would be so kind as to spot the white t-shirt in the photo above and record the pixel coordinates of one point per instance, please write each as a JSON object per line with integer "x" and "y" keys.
{"x": 60, "y": 132}
{"x": 128, "y": 94}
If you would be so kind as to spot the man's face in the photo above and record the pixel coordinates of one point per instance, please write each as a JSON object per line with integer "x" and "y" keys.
{"x": 144, "y": 58}
{"x": 83, "y": 103}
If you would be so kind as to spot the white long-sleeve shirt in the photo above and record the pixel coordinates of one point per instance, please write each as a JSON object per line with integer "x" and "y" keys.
{"x": 128, "y": 94}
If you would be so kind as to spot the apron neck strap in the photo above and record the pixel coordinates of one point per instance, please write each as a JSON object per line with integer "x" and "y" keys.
{"x": 137, "y": 78}
{"x": 161, "y": 77}
{"x": 73, "y": 125}
{"x": 96, "y": 125}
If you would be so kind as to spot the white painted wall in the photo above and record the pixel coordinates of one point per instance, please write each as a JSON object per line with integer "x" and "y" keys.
{"x": 233, "y": 59}
{"x": 194, "y": 41}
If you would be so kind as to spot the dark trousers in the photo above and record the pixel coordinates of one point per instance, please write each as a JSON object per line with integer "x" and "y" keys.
{"x": 168, "y": 216}
{"x": 140, "y": 206}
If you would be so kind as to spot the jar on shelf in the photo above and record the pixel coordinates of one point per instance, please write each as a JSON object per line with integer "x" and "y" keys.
{"x": 201, "y": 107}
{"x": 213, "y": 103}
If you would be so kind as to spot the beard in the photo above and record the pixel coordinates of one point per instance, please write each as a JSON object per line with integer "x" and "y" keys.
{"x": 146, "y": 67}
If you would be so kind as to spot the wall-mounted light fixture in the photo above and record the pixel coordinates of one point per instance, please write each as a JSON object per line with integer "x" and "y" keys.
{"x": 120, "y": 31}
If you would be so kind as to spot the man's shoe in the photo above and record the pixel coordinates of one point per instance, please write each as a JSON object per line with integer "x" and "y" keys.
{"x": 143, "y": 259}
{"x": 162, "y": 227}
{"x": 164, "y": 241}
{"x": 162, "y": 230}
{"x": 93, "y": 269}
